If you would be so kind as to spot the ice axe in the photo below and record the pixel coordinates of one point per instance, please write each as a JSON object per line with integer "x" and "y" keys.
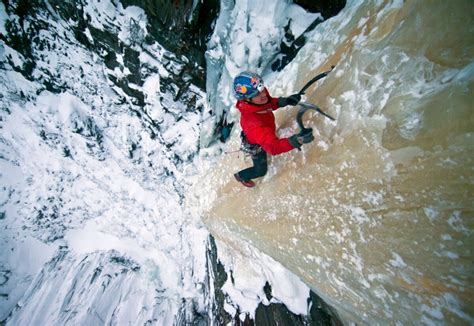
{"x": 305, "y": 107}
{"x": 312, "y": 81}
{"x": 308, "y": 106}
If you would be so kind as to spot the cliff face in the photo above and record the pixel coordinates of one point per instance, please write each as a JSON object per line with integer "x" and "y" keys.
{"x": 376, "y": 214}
{"x": 98, "y": 122}
{"x": 103, "y": 117}
{"x": 101, "y": 108}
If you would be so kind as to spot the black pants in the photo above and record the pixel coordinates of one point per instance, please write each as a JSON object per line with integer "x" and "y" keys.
{"x": 259, "y": 168}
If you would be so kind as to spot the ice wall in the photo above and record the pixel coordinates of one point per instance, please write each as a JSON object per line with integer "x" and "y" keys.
{"x": 376, "y": 215}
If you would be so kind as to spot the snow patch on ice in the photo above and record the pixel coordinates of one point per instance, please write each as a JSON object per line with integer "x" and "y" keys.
{"x": 456, "y": 222}
{"x": 431, "y": 213}
{"x": 397, "y": 261}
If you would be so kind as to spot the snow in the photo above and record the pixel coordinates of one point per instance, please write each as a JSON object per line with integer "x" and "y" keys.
{"x": 250, "y": 270}
{"x": 456, "y": 222}
{"x": 134, "y": 22}
{"x": 102, "y": 11}
{"x": 88, "y": 193}
{"x": 88, "y": 34}
{"x": 151, "y": 87}
{"x": 103, "y": 222}
{"x": 397, "y": 261}
{"x": 76, "y": 195}
{"x": 25, "y": 257}
{"x": 3, "y": 19}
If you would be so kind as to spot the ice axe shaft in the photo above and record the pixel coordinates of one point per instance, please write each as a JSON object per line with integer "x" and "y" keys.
{"x": 315, "y": 79}
{"x": 305, "y": 107}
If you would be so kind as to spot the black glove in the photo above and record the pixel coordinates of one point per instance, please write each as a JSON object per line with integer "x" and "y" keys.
{"x": 290, "y": 100}
{"x": 307, "y": 137}
{"x": 302, "y": 138}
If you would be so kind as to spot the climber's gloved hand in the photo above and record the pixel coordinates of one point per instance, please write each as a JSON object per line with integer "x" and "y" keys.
{"x": 307, "y": 137}
{"x": 302, "y": 138}
{"x": 290, "y": 100}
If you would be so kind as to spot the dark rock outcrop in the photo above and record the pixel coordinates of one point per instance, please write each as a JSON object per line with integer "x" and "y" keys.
{"x": 327, "y": 8}
{"x": 320, "y": 313}
{"x": 290, "y": 45}
{"x": 182, "y": 29}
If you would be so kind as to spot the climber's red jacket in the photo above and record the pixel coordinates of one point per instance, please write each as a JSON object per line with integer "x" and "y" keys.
{"x": 258, "y": 125}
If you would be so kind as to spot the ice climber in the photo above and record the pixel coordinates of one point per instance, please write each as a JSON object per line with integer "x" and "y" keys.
{"x": 258, "y": 135}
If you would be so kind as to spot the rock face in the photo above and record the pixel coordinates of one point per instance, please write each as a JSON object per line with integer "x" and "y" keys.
{"x": 327, "y": 8}
{"x": 99, "y": 122}
{"x": 183, "y": 28}
{"x": 266, "y": 314}
{"x": 376, "y": 213}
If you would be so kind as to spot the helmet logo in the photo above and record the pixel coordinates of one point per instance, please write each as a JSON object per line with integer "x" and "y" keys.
{"x": 256, "y": 83}
{"x": 241, "y": 89}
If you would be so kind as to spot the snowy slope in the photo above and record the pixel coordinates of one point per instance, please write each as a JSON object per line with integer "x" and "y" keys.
{"x": 93, "y": 224}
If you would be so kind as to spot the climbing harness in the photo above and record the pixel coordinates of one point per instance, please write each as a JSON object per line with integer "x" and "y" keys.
{"x": 246, "y": 147}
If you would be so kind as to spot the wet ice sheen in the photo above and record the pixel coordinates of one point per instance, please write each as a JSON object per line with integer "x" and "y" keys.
{"x": 395, "y": 179}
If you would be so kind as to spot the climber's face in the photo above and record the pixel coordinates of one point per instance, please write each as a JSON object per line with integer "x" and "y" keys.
{"x": 260, "y": 98}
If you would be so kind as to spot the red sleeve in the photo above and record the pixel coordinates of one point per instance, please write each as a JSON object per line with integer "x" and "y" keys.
{"x": 272, "y": 144}
{"x": 273, "y": 100}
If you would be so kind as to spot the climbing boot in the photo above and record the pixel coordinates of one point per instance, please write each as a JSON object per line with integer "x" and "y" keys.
{"x": 246, "y": 183}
